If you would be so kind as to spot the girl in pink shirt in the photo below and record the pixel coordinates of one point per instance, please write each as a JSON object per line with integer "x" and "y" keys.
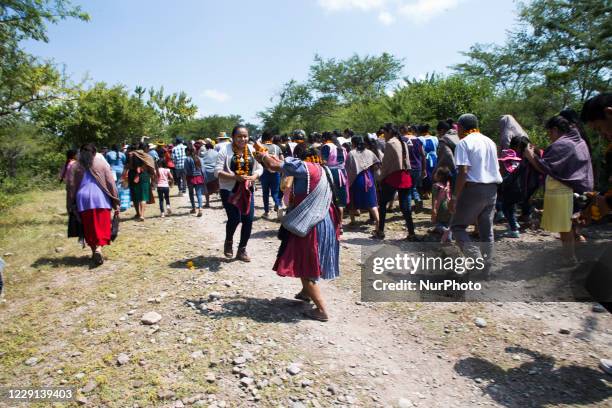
{"x": 164, "y": 180}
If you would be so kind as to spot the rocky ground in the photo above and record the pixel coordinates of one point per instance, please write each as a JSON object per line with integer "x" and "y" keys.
{"x": 168, "y": 321}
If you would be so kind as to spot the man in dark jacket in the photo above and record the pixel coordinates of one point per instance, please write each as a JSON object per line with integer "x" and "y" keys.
{"x": 447, "y": 140}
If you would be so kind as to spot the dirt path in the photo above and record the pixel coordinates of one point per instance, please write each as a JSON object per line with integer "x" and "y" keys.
{"x": 230, "y": 334}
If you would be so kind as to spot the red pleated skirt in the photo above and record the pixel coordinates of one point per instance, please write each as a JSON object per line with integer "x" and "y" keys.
{"x": 299, "y": 257}
{"x": 97, "y": 226}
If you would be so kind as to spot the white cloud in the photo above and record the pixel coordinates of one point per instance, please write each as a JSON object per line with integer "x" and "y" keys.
{"x": 216, "y": 95}
{"x": 365, "y": 5}
{"x": 422, "y": 11}
{"x": 419, "y": 11}
{"x": 386, "y": 18}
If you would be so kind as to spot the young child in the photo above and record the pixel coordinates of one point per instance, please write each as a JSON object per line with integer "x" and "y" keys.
{"x": 511, "y": 191}
{"x": 441, "y": 194}
{"x": 164, "y": 180}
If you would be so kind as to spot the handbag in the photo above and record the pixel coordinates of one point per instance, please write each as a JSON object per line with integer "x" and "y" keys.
{"x": 115, "y": 227}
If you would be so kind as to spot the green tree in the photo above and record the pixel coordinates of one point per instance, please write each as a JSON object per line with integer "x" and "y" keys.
{"x": 571, "y": 40}
{"x": 295, "y": 108}
{"x": 436, "y": 97}
{"x": 173, "y": 108}
{"x": 26, "y": 81}
{"x": 26, "y": 19}
{"x": 336, "y": 93}
{"x": 208, "y": 126}
{"x": 356, "y": 78}
{"x": 564, "y": 44}
{"x": 103, "y": 115}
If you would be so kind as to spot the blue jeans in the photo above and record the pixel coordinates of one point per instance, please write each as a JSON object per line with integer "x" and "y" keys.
{"x": 404, "y": 194}
{"x": 181, "y": 181}
{"x": 510, "y": 214}
{"x": 415, "y": 174}
{"x": 199, "y": 189}
{"x": 270, "y": 185}
{"x": 163, "y": 193}
{"x": 234, "y": 218}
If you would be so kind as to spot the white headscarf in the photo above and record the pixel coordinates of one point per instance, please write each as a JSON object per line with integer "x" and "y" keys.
{"x": 509, "y": 128}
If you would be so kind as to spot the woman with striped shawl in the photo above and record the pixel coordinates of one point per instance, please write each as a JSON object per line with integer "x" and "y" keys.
{"x": 309, "y": 233}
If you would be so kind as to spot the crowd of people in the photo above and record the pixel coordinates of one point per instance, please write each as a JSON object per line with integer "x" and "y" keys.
{"x": 315, "y": 181}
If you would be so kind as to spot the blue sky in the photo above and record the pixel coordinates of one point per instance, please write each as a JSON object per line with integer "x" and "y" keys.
{"x": 232, "y": 56}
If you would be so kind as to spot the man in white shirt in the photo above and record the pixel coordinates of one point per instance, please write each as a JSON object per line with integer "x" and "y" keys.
{"x": 477, "y": 180}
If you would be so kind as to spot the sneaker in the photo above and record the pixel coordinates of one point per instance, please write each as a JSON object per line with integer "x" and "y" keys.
{"x": 499, "y": 217}
{"x": 169, "y": 211}
{"x": 199, "y": 213}
{"x": 266, "y": 215}
{"x": 514, "y": 234}
{"x": 162, "y": 215}
{"x": 193, "y": 211}
{"x": 280, "y": 213}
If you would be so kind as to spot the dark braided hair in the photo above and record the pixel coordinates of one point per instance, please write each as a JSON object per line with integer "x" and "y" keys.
{"x": 358, "y": 143}
{"x": 87, "y": 153}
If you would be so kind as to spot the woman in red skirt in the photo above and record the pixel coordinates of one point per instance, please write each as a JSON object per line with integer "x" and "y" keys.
{"x": 92, "y": 195}
{"x": 309, "y": 247}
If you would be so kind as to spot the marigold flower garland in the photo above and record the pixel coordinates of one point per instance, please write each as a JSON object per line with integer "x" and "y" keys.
{"x": 243, "y": 166}
{"x": 469, "y": 132}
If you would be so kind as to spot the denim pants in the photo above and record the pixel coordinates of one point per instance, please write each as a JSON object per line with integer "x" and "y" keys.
{"x": 270, "y": 185}
{"x": 509, "y": 211}
{"x": 163, "y": 194}
{"x": 415, "y": 174}
{"x": 198, "y": 189}
{"x": 181, "y": 181}
{"x": 234, "y": 218}
{"x": 405, "y": 196}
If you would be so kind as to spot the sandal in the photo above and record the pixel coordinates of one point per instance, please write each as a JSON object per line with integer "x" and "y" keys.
{"x": 315, "y": 314}
{"x": 302, "y": 297}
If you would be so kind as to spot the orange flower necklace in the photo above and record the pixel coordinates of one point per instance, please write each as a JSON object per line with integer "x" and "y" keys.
{"x": 243, "y": 164}
{"x": 469, "y": 132}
